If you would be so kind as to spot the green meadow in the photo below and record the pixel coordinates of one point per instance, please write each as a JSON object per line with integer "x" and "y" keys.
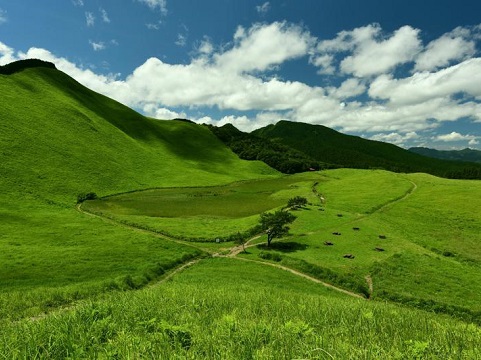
{"x": 138, "y": 272}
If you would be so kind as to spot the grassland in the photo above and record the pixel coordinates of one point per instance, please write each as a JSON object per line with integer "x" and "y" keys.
{"x": 59, "y": 139}
{"x": 227, "y": 309}
{"x": 74, "y": 285}
{"x": 203, "y": 213}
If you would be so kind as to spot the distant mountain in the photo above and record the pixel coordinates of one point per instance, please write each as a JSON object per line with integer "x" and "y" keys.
{"x": 454, "y": 155}
{"x": 330, "y": 146}
{"x": 279, "y": 156}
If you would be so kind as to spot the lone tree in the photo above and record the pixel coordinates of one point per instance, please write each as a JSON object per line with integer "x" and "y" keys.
{"x": 297, "y": 202}
{"x": 275, "y": 224}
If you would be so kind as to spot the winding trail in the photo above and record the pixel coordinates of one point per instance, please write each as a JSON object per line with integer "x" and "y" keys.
{"x": 233, "y": 252}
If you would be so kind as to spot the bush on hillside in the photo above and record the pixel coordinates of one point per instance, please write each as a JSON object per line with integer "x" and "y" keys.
{"x": 86, "y": 196}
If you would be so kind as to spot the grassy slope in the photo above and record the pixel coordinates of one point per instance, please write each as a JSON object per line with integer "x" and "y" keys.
{"x": 432, "y": 249}
{"x": 236, "y": 310}
{"x": 57, "y": 139}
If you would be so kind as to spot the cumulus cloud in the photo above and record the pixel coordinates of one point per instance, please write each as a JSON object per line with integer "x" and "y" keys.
{"x": 370, "y": 52}
{"x": 264, "y": 8}
{"x": 7, "y": 54}
{"x": 460, "y": 78}
{"x": 241, "y": 76}
{"x": 154, "y": 4}
{"x": 90, "y": 19}
{"x": 349, "y": 88}
{"x": 446, "y": 49}
{"x": 78, "y": 3}
{"x": 263, "y": 46}
{"x": 395, "y": 138}
{"x": 455, "y": 136}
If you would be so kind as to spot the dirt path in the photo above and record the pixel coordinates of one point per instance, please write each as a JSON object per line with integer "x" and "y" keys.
{"x": 138, "y": 229}
{"x": 369, "y": 284}
{"x": 234, "y": 251}
{"x": 298, "y": 273}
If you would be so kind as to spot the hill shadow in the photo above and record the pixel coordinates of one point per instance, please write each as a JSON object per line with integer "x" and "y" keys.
{"x": 285, "y": 247}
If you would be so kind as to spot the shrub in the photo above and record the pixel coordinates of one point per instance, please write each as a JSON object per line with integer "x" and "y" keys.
{"x": 86, "y": 196}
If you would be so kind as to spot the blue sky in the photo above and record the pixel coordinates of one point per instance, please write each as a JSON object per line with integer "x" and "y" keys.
{"x": 406, "y": 72}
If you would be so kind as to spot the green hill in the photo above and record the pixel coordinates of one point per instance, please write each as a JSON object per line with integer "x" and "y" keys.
{"x": 59, "y": 139}
{"x": 327, "y": 145}
{"x": 454, "y": 155}
{"x": 67, "y": 276}
{"x": 279, "y": 156}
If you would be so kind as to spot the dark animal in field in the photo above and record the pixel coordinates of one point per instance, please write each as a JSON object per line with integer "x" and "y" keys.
{"x": 339, "y": 215}
{"x": 336, "y": 233}
{"x": 349, "y": 256}
{"x": 328, "y": 243}
{"x": 356, "y": 229}
{"x": 379, "y": 249}
{"x": 382, "y": 236}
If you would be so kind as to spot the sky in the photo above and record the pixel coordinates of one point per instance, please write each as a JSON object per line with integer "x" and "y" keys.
{"x": 405, "y": 72}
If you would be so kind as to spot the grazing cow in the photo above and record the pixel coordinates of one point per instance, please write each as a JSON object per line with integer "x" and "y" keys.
{"x": 336, "y": 233}
{"x": 355, "y": 229}
{"x": 382, "y": 236}
{"x": 328, "y": 243}
{"x": 339, "y": 215}
{"x": 349, "y": 256}
{"x": 379, "y": 249}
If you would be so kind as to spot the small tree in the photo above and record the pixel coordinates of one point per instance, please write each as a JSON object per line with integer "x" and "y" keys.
{"x": 275, "y": 224}
{"x": 240, "y": 240}
{"x": 297, "y": 202}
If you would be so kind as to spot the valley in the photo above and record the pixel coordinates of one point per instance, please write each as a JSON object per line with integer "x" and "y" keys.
{"x": 147, "y": 270}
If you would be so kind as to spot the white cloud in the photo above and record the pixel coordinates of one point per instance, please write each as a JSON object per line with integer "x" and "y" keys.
{"x": 473, "y": 142}
{"x": 7, "y": 54}
{"x": 90, "y": 19}
{"x": 264, "y": 8}
{"x": 395, "y": 138}
{"x": 349, "y": 88}
{"x": 325, "y": 64}
{"x": 105, "y": 16}
{"x": 455, "y": 136}
{"x": 444, "y": 50}
{"x": 154, "y": 4}
{"x": 97, "y": 46}
{"x": 370, "y": 52}
{"x": 461, "y": 78}
{"x": 373, "y": 57}
{"x": 161, "y": 113}
{"x": 263, "y": 46}
{"x": 225, "y": 80}
{"x": 79, "y": 3}
{"x": 3, "y": 16}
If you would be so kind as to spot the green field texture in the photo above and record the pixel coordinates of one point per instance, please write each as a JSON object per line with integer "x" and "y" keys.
{"x": 204, "y": 212}
{"x": 230, "y": 309}
{"x": 79, "y": 285}
{"x": 59, "y": 139}
{"x": 432, "y": 247}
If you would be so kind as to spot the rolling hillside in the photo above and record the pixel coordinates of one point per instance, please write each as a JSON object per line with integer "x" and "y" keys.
{"x": 59, "y": 139}
{"x": 109, "y": 283}
{"x": 330, "y": 146}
